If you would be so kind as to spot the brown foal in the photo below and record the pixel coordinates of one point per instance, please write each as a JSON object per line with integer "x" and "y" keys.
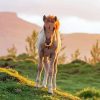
{"x": 49, "y": 44}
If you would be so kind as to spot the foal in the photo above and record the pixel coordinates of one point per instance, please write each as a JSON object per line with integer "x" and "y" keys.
{"x": 49, "y": 44}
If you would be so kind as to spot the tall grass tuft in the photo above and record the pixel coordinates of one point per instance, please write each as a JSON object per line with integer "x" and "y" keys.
{"x": 88, "y": 93}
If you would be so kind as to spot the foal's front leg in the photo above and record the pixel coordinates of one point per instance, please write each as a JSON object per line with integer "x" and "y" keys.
{"x": 40, "y": 67}
{"x": 50, "y": 77}
{"x": 46, "y": 68}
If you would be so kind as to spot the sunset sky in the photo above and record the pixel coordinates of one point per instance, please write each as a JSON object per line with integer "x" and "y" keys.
{"x": 74, "y": 15}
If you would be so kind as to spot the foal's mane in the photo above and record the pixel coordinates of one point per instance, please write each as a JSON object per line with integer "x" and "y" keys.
{"x": 41, "y": 35}
{"x": 51, "y": 19}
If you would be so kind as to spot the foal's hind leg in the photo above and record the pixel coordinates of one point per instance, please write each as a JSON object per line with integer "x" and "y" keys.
{"x": 55, "y": 73}
{"x": 40, "y": 67}
{"x": 46, "y": 67}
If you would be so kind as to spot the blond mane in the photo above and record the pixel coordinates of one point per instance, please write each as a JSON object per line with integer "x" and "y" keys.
{"x": 57, "y": 24}
{"x": 41, "y": 35}
{"x": 41, "y": 39}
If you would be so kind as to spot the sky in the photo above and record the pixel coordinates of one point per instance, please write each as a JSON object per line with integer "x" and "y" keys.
{"x": 74, "y": 15}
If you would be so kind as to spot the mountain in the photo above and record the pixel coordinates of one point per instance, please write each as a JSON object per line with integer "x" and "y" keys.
{"x": 81, "y": 41}
{"x": 14, "y": 30}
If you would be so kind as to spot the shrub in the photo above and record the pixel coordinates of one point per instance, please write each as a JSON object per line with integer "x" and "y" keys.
{"x": 22, "y": 56}
{"x": 88, "y": 93}
{"x": 7, "y": 63}
{"x": 5, "y": 77}
{"x": 78, "y": 61}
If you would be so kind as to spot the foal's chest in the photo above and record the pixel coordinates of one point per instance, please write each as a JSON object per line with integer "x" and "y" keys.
{"x": 48, "y": 51}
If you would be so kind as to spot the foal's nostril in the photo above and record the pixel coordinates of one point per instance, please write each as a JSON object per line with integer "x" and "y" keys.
{"x": 48, "y": 41}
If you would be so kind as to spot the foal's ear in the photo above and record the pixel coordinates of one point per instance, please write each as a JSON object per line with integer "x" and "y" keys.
{"x": 55, "y": 18}
{"x": 44, "y": 17}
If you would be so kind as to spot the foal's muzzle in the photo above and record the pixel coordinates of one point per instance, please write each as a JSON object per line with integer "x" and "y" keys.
{"x": 48, "y": 42}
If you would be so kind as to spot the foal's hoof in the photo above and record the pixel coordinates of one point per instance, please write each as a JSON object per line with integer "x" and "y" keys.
{"x": 37, "y": 86}
{"x": 50, "y": 91}
{"x": 44, "y": 86}
{"x": 54, "y": 89}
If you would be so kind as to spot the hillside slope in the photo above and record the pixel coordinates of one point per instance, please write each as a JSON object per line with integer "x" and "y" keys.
{"x": 81, "y": 41}
{"x": 14, "y": 30}
{"x": 71, "y": 78}
{"x": 36, "y": 94}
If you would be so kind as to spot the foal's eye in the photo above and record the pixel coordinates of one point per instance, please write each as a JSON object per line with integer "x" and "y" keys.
{"x": 44, "y": 28}
{"x": 53, "y": 28}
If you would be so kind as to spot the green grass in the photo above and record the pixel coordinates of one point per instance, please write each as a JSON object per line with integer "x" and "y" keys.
{"x": 16, "y": 91}
{"x": 72, "y": 78}
{"x": 13, "y": 78}
{"x": 88, "y": 93}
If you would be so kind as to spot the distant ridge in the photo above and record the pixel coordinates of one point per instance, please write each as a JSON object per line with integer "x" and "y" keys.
{"x": 14, "y": 30}
{"x": 82, "y": 41}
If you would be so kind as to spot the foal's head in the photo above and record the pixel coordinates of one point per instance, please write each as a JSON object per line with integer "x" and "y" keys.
{"x": 51, "y": 24}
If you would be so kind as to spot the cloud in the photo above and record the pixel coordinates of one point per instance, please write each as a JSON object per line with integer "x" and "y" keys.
{"x": 68, "y": 24}
{"x": 86, "y": 9}
{"x": 74, "y": 15}
{"x": 75, "y": 24}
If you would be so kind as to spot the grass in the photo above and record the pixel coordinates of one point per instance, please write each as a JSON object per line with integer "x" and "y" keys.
{"x": 22, "y": 92}
{"x": 88, "y": 93}
{"x": 73, "y": 78}
{"x": 14, "y": 88}
{"x": 77, "y": 76}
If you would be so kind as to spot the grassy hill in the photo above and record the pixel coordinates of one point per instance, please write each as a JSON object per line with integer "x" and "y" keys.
{"x": 74, "y": 80}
